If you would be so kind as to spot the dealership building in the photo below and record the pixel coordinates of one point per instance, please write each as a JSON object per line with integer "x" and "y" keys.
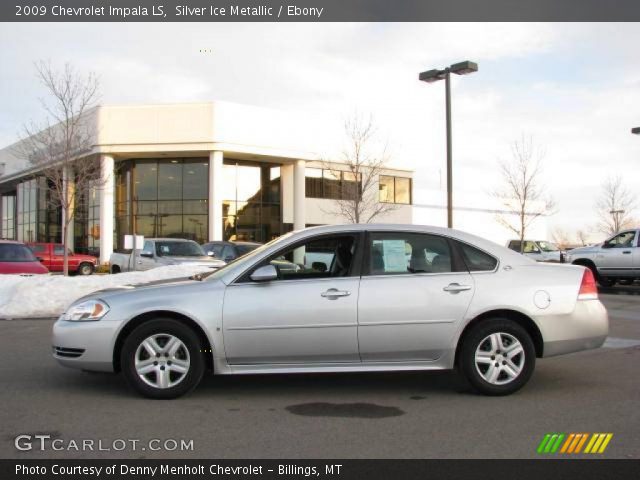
{"x": 205, "y": 171}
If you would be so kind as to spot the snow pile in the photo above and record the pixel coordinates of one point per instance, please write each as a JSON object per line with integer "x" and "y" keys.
{"x": 50, "y": 295}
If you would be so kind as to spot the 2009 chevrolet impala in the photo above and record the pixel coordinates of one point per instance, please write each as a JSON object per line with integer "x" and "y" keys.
{"x": 342, "y": 299}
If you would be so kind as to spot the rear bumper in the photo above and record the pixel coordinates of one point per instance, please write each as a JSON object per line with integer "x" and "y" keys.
{"x": 585, "y": 328}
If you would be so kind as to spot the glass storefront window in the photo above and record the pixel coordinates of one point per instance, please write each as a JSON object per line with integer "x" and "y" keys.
{"x": 170, "y": 180}
{"x": 195, "y": 179}
{"x": 387, "y": 189}
{"x": 394, "y": 189}
{"x": 9, "y": 217}
{"x": 146, "y": 180}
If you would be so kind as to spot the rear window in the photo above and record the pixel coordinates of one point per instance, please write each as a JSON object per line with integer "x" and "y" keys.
{"x": 477, "y": 260}
{"x": 244, "y": 249}
{"x": 13, "y": 252}
{"x": 37, "y": 248}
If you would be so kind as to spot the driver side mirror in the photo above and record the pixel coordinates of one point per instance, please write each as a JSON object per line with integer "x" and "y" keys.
{"x": 211, "y": 254}
{"x": 266, "y": 273}
{"x": 146, "y": 254}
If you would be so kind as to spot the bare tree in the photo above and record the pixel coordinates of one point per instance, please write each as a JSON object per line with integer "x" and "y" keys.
{"x": 582, "y": 237}
{"x": 561, "y": 238}
{"x": 522, "y": 192}
{"x": 362, "y": 164}
{"x": 58, "y": 146}
{"x": 615, "y": 206}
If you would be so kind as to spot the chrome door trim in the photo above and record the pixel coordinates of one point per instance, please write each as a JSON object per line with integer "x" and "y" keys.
{"x": 279, "y": 327}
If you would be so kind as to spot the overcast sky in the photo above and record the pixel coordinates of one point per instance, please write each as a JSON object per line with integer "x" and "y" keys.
{"x": 575, "y": 88}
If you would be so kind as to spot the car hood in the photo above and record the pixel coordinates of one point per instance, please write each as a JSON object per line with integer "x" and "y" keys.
{"x": 581, "y": 250}
{"x": 159, "y": 289}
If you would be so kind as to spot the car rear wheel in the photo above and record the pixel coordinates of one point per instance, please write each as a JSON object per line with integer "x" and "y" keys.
{"x": 85, "y": 269}
{"x": 497, "y": 357}
{"x": 162, "y": 359}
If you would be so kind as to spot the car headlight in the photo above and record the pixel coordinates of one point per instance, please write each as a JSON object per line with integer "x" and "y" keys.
{"x": 90, "y": 310}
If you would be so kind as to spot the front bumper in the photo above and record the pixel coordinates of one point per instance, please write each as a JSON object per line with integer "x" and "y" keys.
{"x": 85, "y": 345}
{"x": 585, "y": 328}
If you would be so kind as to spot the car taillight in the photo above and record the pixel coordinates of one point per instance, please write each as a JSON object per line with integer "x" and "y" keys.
{"x": 588, "y": 288}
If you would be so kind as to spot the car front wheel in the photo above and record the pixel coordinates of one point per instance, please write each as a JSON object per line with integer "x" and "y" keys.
{"x": 497, "y": 357}
{"x": 85, "y": 269}
{"x": 162, "y": 359}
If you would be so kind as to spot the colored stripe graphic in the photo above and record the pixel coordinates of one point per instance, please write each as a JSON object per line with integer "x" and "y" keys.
{"x": 572, "y": 443}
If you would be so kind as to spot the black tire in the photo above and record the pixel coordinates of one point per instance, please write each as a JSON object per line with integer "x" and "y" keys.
{"x": 85, "y": 268}
{"x": 115, "y": 269}
{"x": 191, "y": 350}
{"x": 477, "y": 338}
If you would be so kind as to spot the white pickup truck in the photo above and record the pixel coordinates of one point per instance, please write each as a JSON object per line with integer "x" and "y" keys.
{"x": 157, "y": 252}
{"x": 615, "y": 260}
{"x": 538, "y": 250}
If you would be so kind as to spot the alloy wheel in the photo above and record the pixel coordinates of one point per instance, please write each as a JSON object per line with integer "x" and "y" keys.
{"x": 499, "y": 358}
{"x": 162, "y": 361}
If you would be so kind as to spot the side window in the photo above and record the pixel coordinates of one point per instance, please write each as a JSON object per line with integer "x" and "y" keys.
{"x": 530, "y": 247}
{"x": 326, "y": 257}
{"x": 515, "y": 245}
{"x": 58, "y": 250}
{"x": 623, "y": 240}
{"x": 217, "y": 250}
{"x": 148, "y": 247}
{"x": 37, "y": 248}
{"x": 228, "y": 253}
{"x": 477, "y": 260}
{"x": 407, "y": 253}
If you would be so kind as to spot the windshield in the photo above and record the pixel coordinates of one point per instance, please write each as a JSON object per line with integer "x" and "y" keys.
{"x": 14, "y": 252}
{"x": 243, "y": 259}
{"x": 548, "y": 246}
{"x": 179, "y": 249}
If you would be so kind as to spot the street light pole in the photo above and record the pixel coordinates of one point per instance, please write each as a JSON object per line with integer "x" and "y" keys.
{"x": 430, "y": 76}
{"x": 447, "y": 82}
{"x": 616, "y": 219}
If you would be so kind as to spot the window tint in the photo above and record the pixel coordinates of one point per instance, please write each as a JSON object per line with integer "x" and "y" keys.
{"x": 58, "y": 250}
{"x": 622, "y": 240}
{"x": 515, "y": 245}
{"x": 11, "y": 252}
{"x": 398, "y": 253}
{"x": 228, "y": 253}
{"x": 477, "y": 260}
{"x": 179, "y": 249}
{"x": 320, "y": 258}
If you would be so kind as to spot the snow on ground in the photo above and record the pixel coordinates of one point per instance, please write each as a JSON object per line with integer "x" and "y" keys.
{"x": 50, "y": 295}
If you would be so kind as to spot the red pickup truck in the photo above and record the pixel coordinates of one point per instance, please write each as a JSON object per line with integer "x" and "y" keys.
{"x": 52, "y": 256}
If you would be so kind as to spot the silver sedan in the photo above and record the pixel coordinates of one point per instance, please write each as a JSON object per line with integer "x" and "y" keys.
{"x": 361, "y": 298}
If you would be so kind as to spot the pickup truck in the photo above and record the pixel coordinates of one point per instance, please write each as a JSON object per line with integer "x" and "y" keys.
{"x": 538, "y": 250}
{"x": 51, "y": 255}
{"x": 617, "y": 259}
{"x": 157, "y": 252}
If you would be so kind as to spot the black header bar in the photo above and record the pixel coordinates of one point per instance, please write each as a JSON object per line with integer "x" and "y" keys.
{"x": 319, "y": 10}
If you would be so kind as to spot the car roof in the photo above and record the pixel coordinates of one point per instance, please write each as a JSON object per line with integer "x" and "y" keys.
{"x": 10, "y": 242}
{"x": 168, "y": 239}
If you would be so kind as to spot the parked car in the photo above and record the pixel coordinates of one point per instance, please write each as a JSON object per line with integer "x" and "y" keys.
{"x": 615, "y": 260}
{"x": 457, "y": 301}
{"x": 52, "y": 256}
{"x": 539, "y": 250}
{"x": 157, "y": 252}
{"x": 16, "y": 258}
{"x": 228, "y": 251}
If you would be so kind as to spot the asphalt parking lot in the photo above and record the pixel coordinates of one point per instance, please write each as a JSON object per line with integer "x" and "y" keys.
{"x": 391, "y": 415}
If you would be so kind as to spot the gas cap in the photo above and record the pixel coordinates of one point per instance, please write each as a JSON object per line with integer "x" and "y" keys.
{"x": 542, "y": 299}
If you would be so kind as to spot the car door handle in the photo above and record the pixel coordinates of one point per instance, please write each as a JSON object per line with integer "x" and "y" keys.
{"x": 456, "y": 287}
{"x": 626, "y": 252}
{"x": 334, "y": 293}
